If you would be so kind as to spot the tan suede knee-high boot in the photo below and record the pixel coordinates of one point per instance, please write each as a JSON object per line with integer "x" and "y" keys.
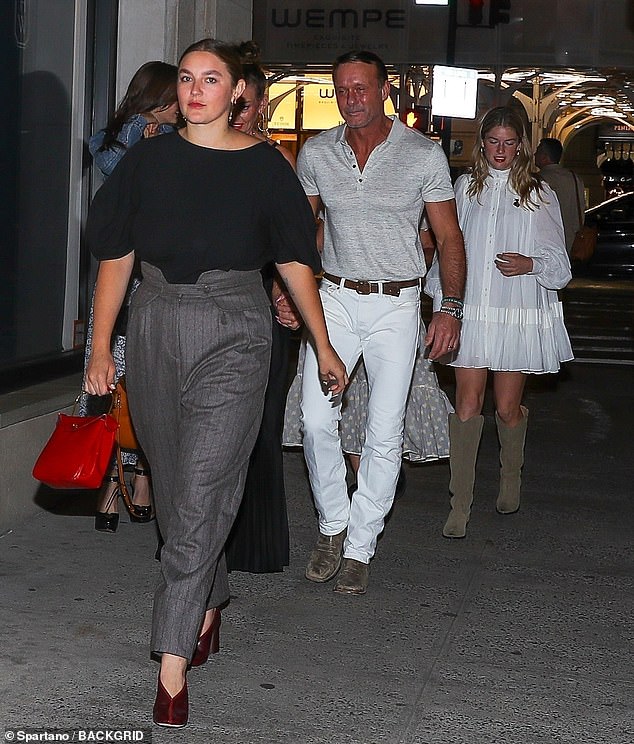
{"x": 512, "y": 440}
{"x": 464, "y": 440}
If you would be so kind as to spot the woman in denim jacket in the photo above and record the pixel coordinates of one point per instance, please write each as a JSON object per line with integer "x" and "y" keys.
{"x": 149, "y": 108}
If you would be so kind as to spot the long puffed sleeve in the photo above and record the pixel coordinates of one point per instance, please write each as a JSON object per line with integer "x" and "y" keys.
{"x": 433, "y": 286}
{"x": 551, "y": 265}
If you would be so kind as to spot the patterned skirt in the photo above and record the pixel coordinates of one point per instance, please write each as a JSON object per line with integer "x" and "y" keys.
{"x": 426, "y": 435}
{"x": 90, "y": 405}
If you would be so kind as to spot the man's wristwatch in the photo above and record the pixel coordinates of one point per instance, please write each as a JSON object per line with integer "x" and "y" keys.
{"x": 455, "y": 312}
{"x": 452, "y": 306}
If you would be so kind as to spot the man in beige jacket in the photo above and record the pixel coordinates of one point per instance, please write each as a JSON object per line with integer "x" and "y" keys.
{"x": 567, "y": 186}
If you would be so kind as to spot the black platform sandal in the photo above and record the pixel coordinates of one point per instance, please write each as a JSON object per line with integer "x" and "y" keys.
{"x": 137, "y": 513}
{"x": 109, "y": 521}
{"x": 141, "y": 513}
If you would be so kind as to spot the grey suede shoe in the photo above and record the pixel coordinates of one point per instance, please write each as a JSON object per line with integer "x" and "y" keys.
{"x": 353, "y": 578}
{"x": 325, "y": 560}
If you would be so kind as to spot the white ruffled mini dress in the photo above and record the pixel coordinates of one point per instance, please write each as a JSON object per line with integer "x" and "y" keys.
{"x": 510, "y": 324}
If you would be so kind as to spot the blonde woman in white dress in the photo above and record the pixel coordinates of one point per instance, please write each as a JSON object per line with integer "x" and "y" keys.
{"x": 512, "y": 319}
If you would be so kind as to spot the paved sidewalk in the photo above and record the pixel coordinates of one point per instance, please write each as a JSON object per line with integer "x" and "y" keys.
{"x": 521, "y": 633}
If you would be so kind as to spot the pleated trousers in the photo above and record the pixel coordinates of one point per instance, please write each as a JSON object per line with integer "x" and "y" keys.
{"x": 197, "y": 361}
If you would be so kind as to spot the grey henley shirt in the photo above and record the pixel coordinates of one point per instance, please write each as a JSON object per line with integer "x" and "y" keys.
{"x": 372, "y": 217}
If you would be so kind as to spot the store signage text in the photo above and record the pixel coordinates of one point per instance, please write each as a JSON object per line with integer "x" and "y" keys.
{"x": 337, "y": 18}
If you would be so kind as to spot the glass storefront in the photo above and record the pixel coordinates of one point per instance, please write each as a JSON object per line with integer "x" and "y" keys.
{"x": 47, "y": 82}
{"x": 301, "y": 105}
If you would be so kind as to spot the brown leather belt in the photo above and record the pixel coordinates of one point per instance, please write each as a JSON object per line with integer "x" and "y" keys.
{"x": 365, "y": 288}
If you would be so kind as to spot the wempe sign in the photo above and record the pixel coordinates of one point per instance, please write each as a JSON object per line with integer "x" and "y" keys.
{"x": 313, "y": 31}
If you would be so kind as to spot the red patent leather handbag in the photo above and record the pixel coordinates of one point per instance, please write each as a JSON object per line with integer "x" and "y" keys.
{"x": 78, "y": 453}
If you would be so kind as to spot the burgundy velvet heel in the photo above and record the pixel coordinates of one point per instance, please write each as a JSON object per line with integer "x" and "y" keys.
{"x": 171, "y": 711}
{"x": 209, "y": 641}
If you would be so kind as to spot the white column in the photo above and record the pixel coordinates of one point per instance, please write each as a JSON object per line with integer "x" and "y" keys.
{"x": 142, "y": 38}
{"x": 161, "y": 29}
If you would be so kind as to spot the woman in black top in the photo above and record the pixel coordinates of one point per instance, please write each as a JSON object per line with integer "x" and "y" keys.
{"x": 203, "y": 209}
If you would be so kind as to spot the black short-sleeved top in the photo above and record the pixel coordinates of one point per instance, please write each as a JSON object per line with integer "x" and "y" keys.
{"x": 188, "y": 209}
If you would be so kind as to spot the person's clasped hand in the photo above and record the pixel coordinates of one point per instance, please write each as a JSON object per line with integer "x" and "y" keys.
{"x": 286, "y": 313}
{"x": 513, "y": 264}
{"x": 153, "y": 123}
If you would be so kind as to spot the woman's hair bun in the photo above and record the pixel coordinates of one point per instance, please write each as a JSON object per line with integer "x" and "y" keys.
{"x": 249, "y": 52}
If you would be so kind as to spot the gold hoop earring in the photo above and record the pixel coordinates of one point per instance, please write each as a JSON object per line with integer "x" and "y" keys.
{"x": 261, "y": 124}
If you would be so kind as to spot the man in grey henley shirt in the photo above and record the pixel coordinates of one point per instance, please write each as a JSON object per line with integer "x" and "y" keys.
{"x": 371, "y": 178}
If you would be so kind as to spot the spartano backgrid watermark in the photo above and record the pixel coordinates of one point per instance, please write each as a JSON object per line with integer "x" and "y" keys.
{"x": 22, "y": 734}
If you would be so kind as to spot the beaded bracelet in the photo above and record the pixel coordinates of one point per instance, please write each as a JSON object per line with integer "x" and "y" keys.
{"x": 452, "y": 300}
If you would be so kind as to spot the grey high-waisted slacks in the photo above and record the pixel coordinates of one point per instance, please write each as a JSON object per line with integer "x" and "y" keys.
{"x": 197, "y": 360}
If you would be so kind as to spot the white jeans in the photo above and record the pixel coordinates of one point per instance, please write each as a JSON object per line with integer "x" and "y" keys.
{"x": 385, "y": 330}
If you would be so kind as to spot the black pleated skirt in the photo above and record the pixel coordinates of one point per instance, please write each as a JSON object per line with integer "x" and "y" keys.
{"x": 259, "y": 540}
